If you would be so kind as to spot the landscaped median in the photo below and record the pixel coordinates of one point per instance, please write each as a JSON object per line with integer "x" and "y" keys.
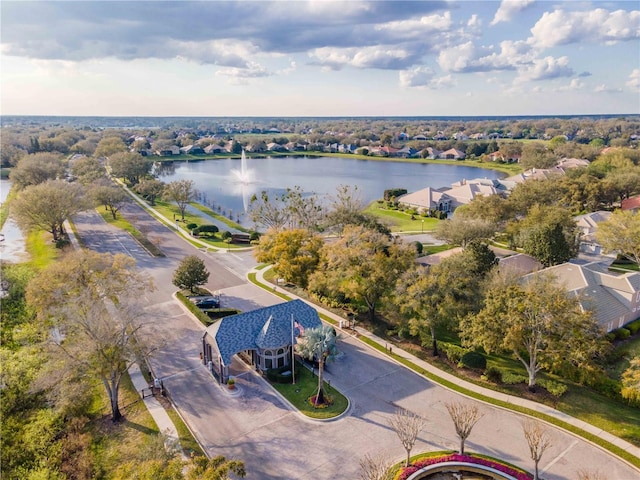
{"x": 306, "y": 386}
{"x": 426, "y": 464}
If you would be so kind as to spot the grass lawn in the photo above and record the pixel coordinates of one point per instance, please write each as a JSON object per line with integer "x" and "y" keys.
{"x": 41, "y": 249}
{"x": 400, "y": 221}
{"x": 169, "y": 210}
{"x": 307, "y": 385}
{"x": 217, "y": 216}
{"x": 431, "y": 249}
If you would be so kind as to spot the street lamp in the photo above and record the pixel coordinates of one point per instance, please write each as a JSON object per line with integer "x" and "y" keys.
{"x": 423, "y": 225}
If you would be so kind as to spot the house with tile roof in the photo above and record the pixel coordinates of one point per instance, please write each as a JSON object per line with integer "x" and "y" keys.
{"x": 631, "y": 203}
{"x": 262, "y": 337}
{"x": 453, "y": 154}
{"x": 427, "y": 199}
{"x": 614, "y": 298}
{"x": 588, "y": 225}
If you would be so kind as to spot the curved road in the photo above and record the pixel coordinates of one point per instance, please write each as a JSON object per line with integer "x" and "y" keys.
{"x": 275, "y": 442}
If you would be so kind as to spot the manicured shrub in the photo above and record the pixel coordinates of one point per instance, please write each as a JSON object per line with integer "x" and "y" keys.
{"x": 473, "y": 360}
{"x": 254, "y": 236}
{"x": 226, "y": 235}
{"x": 610, "y": 336}
{"x": 276, "y": 374}
{"x": 191, "y": 226}
{"x": 556, "y": 389}
{"x": 419, "y": 247}
{"x": 208, "y": 229}
{"x": 622, "y": 333}
{"x": 453, "y": 352}
{"x": 633, "y": 327}
{"x": 511, "y": 378}
{"x": 493, "y": 374}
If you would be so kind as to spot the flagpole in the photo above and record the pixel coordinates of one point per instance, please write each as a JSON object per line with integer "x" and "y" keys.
{"x": 293, "y": 357}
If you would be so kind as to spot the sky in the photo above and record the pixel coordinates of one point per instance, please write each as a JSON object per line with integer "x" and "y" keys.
{"x": 319, "y": 58}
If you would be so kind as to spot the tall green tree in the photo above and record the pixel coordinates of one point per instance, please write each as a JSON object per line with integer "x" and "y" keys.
{"x": 112, "y": 197}
{"x": 150, "y": 189}
{"x": 108, "y": 146}
{"x": 191, "y": 273}
{"x": 549, "y": 234}
{"x": 621, "y": 233}
{"x": 437, "y": 297}
{"x": 362, "y": 266}
{"x": 461, "y": 230}
{"x": 88, "y": 170}
{"x": 48, "y": 205}
{"x": 129, "y": 165}
{"x": 182, "y": 192}
{"x": 538, "y": 322}
{"x": 89, "y": 301}
{"x": 319, "y": 344}
{"x": 36, "y": 168}
{"x": 295, "y": 254}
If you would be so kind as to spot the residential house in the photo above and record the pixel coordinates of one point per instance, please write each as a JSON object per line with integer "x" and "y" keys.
{"x": 262, "y": 337}
{"x": 431, "y": 153}
{"x": 453, "y": 154}
{"x": 519, "y": 264}
{"x": 276, "y": 147}
{"x": 566, "y": 163}
{"x": 632, "y": 203}
{"x": 465, "y": 193}
{"x": 192, "y": 150}
{"x": 420, "y": 137}
{"x": 427, "y": 199}
{"x": 460, "y": 136}
{"x": 614, "y": 298}
{"x": 406, "y": 152}
{"x": 214, "y": 148}
{"x": 588, "y": 224}
{"x": 168, "y": 151}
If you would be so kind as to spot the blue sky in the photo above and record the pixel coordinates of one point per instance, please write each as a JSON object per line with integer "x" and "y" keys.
{"x": 319, "y": 58}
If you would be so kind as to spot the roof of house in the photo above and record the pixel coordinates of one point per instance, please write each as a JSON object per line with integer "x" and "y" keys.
{"x": 425, "y": 198}
{"x": 467, "y": 192}
{"x": 589, "y": 223}
{"x": 607, "y": 294}
{"x": 520, "y": 264}
{"x": 632, "y": 203}
{"x": 268, "y": 327}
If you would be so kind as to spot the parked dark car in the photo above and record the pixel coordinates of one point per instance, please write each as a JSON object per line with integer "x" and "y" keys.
{"x": 206, "y": 302}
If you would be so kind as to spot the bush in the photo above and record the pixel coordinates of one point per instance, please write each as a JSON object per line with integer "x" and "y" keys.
{"x": 276, "y": 374}
{"x": 511, "y": 378}
{"x": 622, "y": 333}
{"x": 473, "y": 360}
{"x": 453, "y": 352}
{"x": 226, "y": 235}
{"x": 394, "y": 193}
{"x": 556, "y": 389}
{"x": 633, "y": 327}
{"x": 208, "y": 229}
{"x": 191, "y": 226}
{"x": 419, "y": 247}
{"x": 493, "y": 374}
{"x": 254, "y": 236}
{"x": 610, "y": 336}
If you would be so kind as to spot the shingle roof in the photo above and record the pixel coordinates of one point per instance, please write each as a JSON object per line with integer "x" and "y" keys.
{"x": 268, "y": 327}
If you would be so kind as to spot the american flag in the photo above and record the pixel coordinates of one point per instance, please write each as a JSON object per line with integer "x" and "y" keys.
{"x": 299, "y": 327}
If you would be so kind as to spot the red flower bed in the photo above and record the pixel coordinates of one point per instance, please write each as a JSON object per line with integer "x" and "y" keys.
{"x": 406, "y": 472}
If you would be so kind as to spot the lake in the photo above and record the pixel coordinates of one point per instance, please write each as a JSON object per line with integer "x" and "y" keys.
{"x": 314, "y": 175}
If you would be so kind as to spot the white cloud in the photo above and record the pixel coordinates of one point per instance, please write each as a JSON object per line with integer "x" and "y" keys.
{"x": 546, "y": 68}
{"x": 424, "y": 77}
{"x": 241, "y": 75}
{"x": 594, "y": 26}
{"x": 466, "y": 57}
{"x": 602, "y": 88}
{"x": 382, "y": 56}
{"x": 634, "y": 80}
{"x": 573, "y": 85}
{"x": 509, "y": 9}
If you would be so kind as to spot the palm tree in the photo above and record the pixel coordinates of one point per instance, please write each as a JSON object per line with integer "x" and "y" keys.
{"x": 319, "y": 344}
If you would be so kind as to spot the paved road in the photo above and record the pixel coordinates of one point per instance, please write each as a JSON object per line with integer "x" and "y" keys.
{"x": 276, "y": 442}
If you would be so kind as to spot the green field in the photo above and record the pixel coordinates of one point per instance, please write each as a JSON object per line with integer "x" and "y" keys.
{"x": 400, "y": 221}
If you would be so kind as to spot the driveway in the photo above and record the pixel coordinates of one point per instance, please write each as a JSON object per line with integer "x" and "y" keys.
{"x": 275, "y": 442}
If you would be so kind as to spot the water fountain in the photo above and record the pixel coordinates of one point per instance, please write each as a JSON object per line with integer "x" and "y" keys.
{"x": 244, "y": 175}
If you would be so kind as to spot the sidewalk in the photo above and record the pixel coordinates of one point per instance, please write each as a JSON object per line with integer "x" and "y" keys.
{"x": 157, "y": 411}
{"x": 587, "y": 427}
